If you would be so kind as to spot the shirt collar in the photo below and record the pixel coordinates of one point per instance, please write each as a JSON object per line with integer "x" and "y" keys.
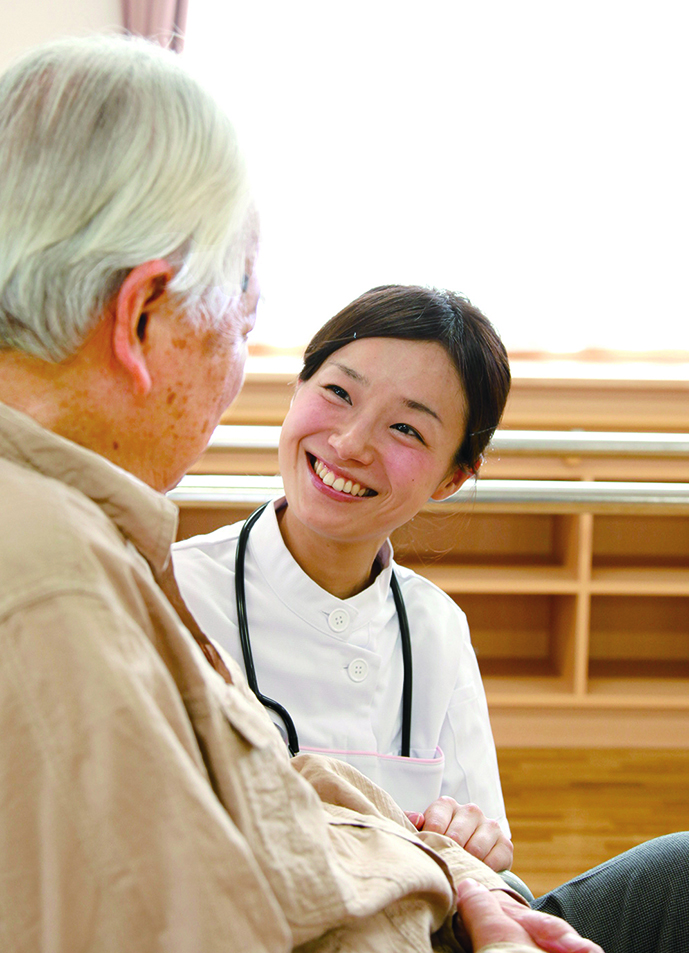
{"x": 142, "y": 515}
{"x": 296, "y": 589}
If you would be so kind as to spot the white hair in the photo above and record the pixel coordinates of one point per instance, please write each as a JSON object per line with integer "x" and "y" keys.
{"x": 111, "y": 155}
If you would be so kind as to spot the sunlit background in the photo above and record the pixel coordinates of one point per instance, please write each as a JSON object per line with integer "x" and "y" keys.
{"x": 533, "y": 155}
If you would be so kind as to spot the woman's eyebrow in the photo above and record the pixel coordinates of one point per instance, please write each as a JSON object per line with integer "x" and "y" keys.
{"x": 407, "y": 401}
{"x": 416, "y": 405}
{"x": 350, "y": 372}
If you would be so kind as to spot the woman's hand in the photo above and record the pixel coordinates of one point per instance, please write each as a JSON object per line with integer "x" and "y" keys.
{"x": 470, "y": 828}
{"x": 491, "y": 917}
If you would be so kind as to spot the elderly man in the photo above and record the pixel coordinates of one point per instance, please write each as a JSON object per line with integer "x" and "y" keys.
{"x": 147, "y": 804}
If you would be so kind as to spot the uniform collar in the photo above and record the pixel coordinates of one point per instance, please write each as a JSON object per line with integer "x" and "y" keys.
{"x": 299, "y": 592}
{"x": 142, "y": 515}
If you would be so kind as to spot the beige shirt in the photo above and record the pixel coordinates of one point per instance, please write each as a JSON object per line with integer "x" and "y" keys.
{"x": 145, "y": 804}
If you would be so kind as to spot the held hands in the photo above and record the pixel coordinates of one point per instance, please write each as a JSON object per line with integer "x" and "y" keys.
{"x": 470, "y": 828}
{"x": 490, "y": 917}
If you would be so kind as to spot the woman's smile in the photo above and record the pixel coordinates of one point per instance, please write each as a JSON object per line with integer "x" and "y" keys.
{"x": 341, "y": 484}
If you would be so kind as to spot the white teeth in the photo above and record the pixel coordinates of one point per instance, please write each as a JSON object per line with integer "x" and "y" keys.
{"x": 337, "y": 483}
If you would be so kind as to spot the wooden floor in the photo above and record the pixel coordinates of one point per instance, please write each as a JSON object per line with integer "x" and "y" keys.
{"x": 570, "y": 808}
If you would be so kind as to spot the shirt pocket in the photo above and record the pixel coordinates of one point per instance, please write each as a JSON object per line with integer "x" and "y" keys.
{"x": 414, "y": 783}
{"x": 250, "y": 719}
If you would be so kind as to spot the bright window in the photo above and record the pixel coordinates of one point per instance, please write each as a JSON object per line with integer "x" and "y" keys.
{"x": 533, "y": 155}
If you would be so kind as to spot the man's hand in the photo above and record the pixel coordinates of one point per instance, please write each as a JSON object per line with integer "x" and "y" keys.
{"x": 488, "y": 919}
{"x": 470, "y": 828}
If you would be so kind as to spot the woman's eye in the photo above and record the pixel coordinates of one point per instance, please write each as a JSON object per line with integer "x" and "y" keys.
{"x": 406, "y": 429}
{"x": 338, "y": 391}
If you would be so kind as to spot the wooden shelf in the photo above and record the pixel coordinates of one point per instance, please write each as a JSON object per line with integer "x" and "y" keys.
{"x": 620, "y": 580}
{"x": 587, "y": 620}
{"x": 639, "y": 685}
{"x": 457, "y": 578}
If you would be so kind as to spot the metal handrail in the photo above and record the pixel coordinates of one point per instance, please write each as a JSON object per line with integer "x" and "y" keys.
{"x": 241, "y": 437}
{"x": 225, "y": 488}
{"x": 592, "y": 442}
{"x": 219, "y": 489}
{"x": 259, "y": 437}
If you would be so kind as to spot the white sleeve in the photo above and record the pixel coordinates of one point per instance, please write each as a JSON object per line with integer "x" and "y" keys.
{"x": 206, "y": 581}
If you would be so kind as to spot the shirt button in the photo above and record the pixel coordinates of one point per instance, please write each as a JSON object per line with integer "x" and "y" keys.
{"x": 338, "y": 620}
{"x": 358, "y": 669}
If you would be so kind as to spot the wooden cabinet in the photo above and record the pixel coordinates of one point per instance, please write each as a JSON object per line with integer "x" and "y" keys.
{"x": 580, "y": 620}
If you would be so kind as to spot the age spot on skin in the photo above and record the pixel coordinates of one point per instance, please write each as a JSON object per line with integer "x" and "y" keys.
{"x": 171, "y": 397}
{"x": 179, "y": 343}
{"x": 115, "y": 445}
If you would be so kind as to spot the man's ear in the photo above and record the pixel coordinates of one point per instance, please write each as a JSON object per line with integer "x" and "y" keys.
{"x": 140, "y": 289}
{"x": 452, "y": 483}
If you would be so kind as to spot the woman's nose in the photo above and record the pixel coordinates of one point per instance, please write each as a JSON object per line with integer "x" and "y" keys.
{"x": 353, "y": 443}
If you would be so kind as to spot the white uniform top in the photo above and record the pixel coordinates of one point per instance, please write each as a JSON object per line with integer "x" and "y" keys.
{"x": 336, "y": 665}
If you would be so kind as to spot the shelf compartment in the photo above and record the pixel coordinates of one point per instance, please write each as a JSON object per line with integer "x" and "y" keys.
{"x": 639, "y": 645}
{"x": 651, "y": 542}
{"x": 521, "y": 579}
{"x": 466, "y": 538}
{"x": 623, "y": 580}
{"x": 524, "y": 642}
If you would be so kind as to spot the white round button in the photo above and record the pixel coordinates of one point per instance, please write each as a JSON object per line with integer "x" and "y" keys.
{"x": 338, "y": 620}
{"x": 358, "y": 669}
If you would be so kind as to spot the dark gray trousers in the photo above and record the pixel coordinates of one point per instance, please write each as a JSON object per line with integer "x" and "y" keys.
{"x": 635, "y": 903}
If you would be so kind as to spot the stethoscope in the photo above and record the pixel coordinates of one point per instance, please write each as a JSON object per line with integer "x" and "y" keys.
{"x": 280, "y": 710}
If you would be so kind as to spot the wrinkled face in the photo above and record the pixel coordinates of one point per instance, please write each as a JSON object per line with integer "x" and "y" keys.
{"x": 371, "y": 437}
{"x": 204, "y": 373}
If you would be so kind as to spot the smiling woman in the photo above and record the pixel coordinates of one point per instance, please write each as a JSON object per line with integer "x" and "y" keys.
{"x": 399, "y": 395}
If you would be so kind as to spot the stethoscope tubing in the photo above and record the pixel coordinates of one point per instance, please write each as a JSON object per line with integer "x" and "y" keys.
{"x": 243, "y": 624}
{"x": 247, "y": 653}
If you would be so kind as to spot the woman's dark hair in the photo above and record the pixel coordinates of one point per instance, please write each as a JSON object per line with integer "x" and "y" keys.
{"x": 414, "y": 313}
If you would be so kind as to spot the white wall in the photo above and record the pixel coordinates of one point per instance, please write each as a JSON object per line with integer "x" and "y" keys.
{"x": 531, "y": 154}
{"x": 28, "y": 22}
